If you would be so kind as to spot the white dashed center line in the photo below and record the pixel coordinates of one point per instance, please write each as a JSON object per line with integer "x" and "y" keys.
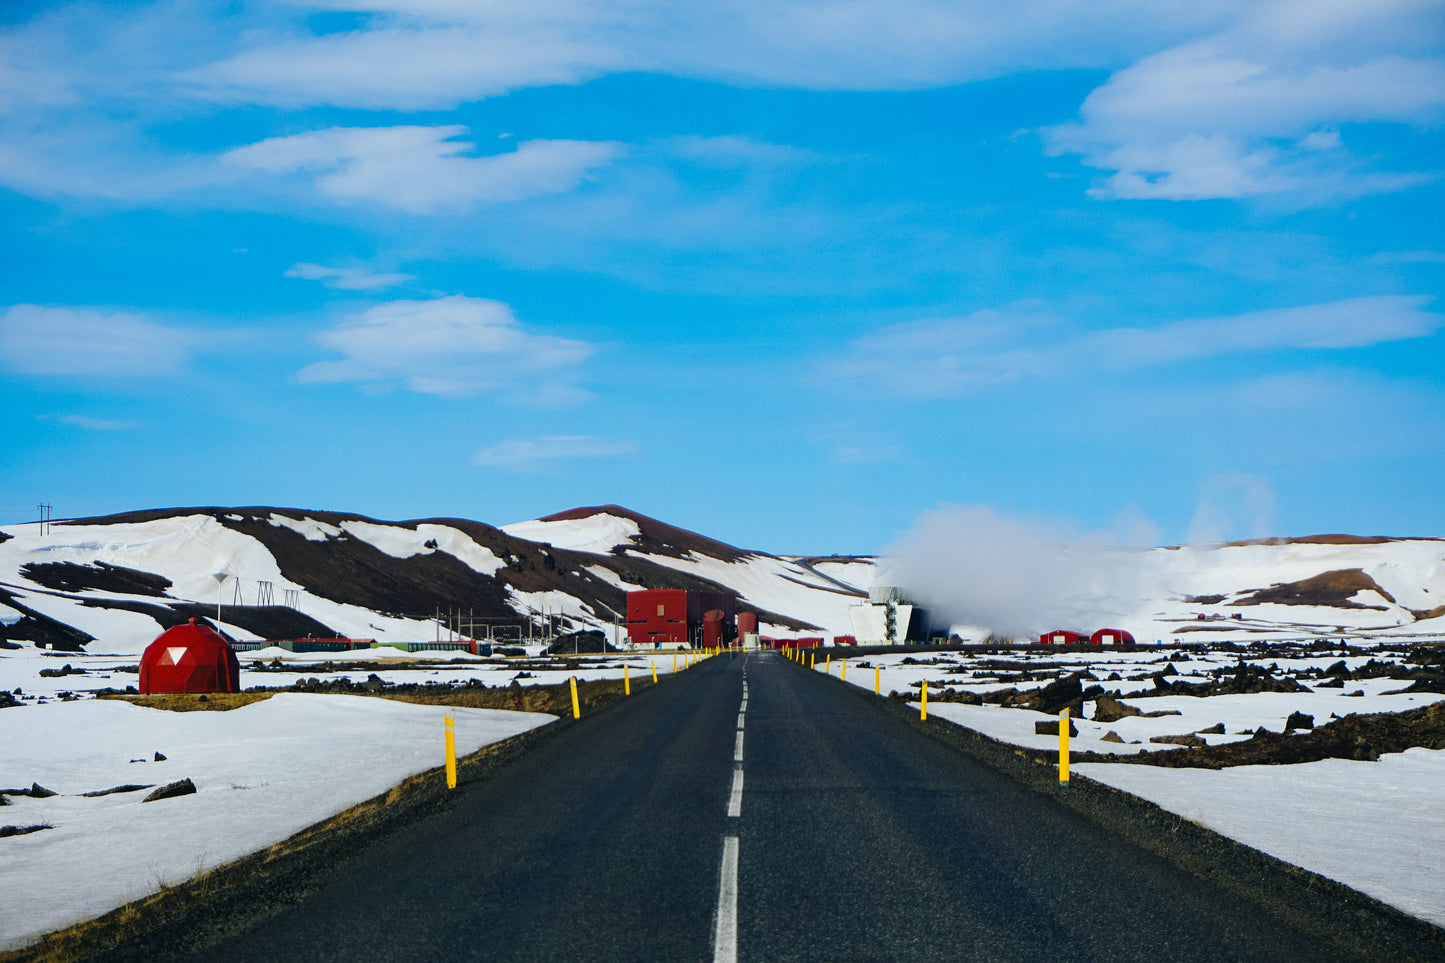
{"x": 735, "y": 798}
{"x": 725, "y": 940}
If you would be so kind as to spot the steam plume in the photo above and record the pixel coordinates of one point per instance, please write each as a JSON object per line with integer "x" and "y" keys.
{"x": 975, "y": 567}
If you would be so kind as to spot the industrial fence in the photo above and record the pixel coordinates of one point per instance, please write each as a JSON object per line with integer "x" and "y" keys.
{"x": 351, "y": 645}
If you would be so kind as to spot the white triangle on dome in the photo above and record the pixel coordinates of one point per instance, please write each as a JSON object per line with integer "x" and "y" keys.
{"x": 174, "y": 652}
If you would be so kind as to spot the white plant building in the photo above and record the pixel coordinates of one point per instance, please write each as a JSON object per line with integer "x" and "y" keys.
{"x": 889, "y": 617}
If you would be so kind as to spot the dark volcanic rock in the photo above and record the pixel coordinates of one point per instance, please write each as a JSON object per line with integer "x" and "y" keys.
{"x": 1109, "y": 709}
{"x": 1065, "y": 693}
{"x": 1051, "y": 728}
{"x": 1298, "y": 720}
{"x": 129, "y": 787}
{"x": 1190, "y": 740}
{"x": 592, "y": 641}
{"x": 1245, "y": 678}
{"x": 1359, "y": 737}
{"x": 183, "y": 787}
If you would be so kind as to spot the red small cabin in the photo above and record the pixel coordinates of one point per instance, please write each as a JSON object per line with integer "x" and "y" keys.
{"x": 189, "y": 658}
{"x": 1111, "y": 637}
{"x": 1063, "y": 637}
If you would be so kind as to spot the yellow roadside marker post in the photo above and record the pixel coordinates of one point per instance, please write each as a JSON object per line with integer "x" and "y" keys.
{"x": 451, "y": 741}
{"x": 827, "y": 665}
{"x": 923, "y": 709}
{"x": 875, "y": 680}
{"x": 576, "y": 709}
{"x": 843, "y": 670}
{"x": 1064, "y": 747}
{"x": 812, "y": 660}
{"x": 654, "y": 672}
{"x": 674, "y": 663}
{"x": 626, "y": 682}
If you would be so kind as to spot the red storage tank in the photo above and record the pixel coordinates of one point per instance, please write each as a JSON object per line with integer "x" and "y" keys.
{"x": 713, "y": 621}
{"x": 1063, "y": 637}
{"x": 1111, "y": 637}
{"x": 189, "y": 658}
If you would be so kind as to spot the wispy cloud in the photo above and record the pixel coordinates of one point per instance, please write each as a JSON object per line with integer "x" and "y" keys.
{"x": 415, "y": 55}
{"x": 89, "y": 342}
{"x": 87, "y": 423}
{"x": 1409, "y": 257}
{"x": 455, "y": 347}
{"x": 951, "y": 356}
{"x": 423, "y": 169}
{"x": 539, "y": 454}
{"x": 412, "y": 66}
{"x": 347, "y": 279}
{"x": 1255, "y": 109}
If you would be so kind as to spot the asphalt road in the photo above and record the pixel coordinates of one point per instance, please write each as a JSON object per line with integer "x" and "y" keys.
{"x": 752, "y": 810}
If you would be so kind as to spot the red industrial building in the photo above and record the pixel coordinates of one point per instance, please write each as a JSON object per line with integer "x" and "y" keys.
{"x": 677, "y": 617}
{"x": 1063, "y": 637}
{"x": 189, "y": 658}
{"x": 1111, "y": 637}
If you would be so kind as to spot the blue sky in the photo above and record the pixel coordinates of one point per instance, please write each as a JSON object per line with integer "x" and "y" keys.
{"x": 789, "y": 273}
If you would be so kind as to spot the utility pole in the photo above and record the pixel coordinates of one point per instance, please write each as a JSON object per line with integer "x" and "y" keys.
{"x": 44, "y": 518}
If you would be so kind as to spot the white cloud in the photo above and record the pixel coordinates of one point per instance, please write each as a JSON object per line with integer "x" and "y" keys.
{"x": 1253, "y": 109}
{"x": 88, "y": 342}
{"x": 1355, "y": 323}
{"x": 539, "y": 454}
{"x": 426, "y": 55}
{"x": 453, "y": 346}
{"x": 1409, "y": 257}
{"x": 347, "y": 279}
{"x": 410, "y": 67}
{"x": 87, "y": 423}
{"x": 952, "y": 356}
{"x": 938, "y": 357}
{"x": 423, "y": 169}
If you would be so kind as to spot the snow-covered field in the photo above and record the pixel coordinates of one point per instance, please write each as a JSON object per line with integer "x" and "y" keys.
{"x": 275, "y": 668}
{"x": 262, "y": 773}
{"x": 1375, "y": 826}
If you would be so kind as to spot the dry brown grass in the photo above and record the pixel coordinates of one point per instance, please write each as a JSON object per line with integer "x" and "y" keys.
{"x": 554, "y": 699}
{"x": 191, "y": 701}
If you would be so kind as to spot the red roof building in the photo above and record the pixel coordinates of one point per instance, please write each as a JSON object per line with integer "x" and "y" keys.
{"x": 189, "y": 658}
{"x": 1112, "y": 637}
{"x": 675, "y": 617}
{"x": 1063, "y": 637}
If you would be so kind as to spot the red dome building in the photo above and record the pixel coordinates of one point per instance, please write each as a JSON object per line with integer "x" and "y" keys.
{"x": 189, "y": 658}
{"x": 1112, "y": 637}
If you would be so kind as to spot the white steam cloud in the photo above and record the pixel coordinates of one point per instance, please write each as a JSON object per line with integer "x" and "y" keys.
{"x": 980, "y": 571}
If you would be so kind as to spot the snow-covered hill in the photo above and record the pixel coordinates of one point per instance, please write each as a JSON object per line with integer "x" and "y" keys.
{"x": 1287, "y": 588}
{"x": 112, "y": 583}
